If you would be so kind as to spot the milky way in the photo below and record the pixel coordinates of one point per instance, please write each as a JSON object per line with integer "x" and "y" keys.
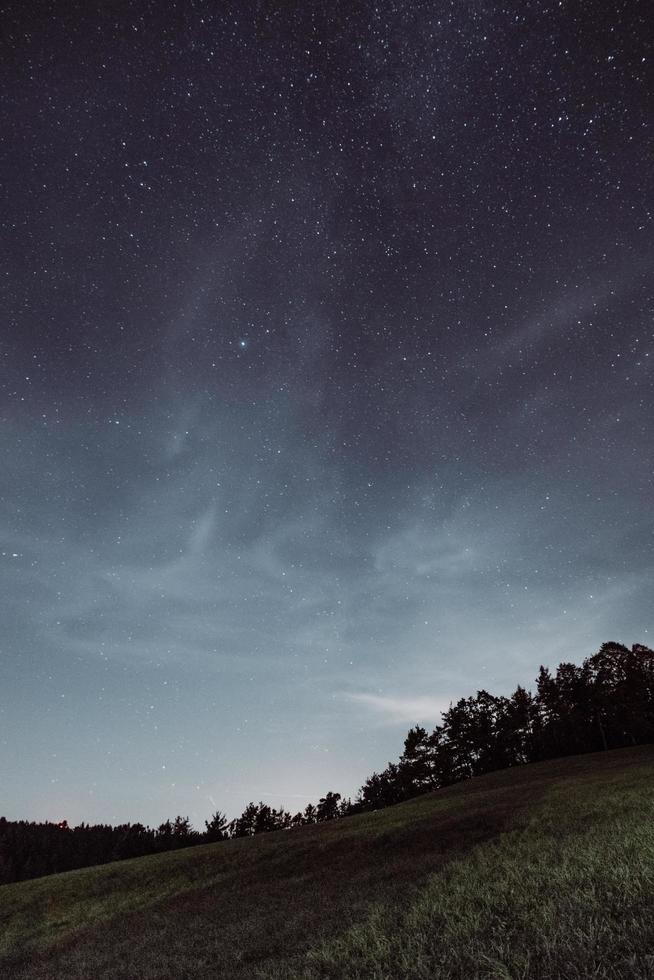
{"x": 326, "y": 383}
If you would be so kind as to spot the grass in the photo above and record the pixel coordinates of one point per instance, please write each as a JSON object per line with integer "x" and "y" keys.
{"x": 546, "y": 871}
{"x": 569, "y": 895}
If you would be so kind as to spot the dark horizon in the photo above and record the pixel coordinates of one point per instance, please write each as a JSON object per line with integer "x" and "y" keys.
{"x": 604, "y": 703}
{"x": 327, "y": 384}
{"x": 607, "y": 698}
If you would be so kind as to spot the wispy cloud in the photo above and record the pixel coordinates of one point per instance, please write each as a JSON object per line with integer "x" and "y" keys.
{"x": 410, "y": 709}
{"x": 566, "y": 312}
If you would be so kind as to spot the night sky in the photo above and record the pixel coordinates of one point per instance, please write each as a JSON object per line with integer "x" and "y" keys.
{"x": 326, "y": 388}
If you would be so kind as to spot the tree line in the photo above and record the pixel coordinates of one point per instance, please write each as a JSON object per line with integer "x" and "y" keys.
{"x": 606, "y": 703}
{"x": 31, "y": 850}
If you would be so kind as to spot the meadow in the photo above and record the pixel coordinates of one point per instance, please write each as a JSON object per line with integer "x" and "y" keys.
{"x": 539, "y": 871}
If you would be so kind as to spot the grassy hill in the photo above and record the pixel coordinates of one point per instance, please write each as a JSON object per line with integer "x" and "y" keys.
{"x": 544, "y": 871}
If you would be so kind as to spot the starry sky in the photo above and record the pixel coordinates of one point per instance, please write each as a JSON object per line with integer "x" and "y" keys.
{"x": 326, "y": 358}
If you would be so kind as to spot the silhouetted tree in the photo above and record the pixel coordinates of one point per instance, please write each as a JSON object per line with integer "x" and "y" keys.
{"x": 416, "y": 766}
{"x": 327, "y": 808}
{"x": 265, "y": 819}
{"x": 217, "y": 827}
{"x": 183, "y": 831}
{"x": 244, "y": 825}
{"x": 309, "y": 815}
{"x": 517, "y": 730}
{"x": 382, "y": 789}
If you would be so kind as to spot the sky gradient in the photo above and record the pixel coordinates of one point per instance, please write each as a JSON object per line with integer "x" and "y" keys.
{"x": 326, "y": 384}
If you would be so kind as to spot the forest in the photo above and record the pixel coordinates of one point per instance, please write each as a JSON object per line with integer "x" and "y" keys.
{"x": 606, "y": 703}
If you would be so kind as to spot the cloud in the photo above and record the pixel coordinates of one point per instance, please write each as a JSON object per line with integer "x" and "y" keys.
{"x": 565, "y": 311}
{"x": 411, "y": 709}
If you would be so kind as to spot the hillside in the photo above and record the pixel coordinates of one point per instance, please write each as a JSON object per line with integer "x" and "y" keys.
{"x": 545, "y": 870}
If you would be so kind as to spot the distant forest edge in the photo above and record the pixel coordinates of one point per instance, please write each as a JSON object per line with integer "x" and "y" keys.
{"x": 606, "y": 703}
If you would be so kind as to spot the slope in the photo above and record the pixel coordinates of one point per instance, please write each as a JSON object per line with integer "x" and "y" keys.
{"x": 542, "y": 871}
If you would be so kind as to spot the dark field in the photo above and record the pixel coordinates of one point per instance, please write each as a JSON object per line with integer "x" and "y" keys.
{"x": 543, "y": 871}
